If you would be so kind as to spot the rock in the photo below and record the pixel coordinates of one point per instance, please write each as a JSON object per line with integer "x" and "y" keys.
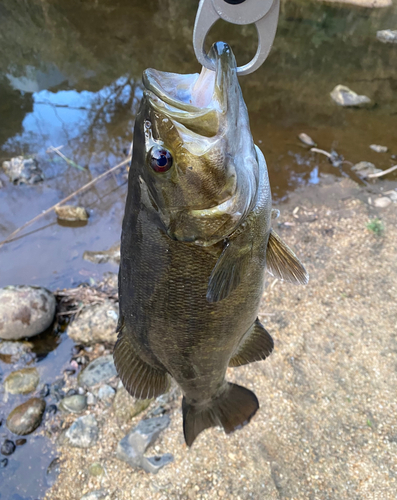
{"x": 106, "y": 394}
{"x": 91, "y": 399}
{"x": 96, "y": 469}
{"x": 22, "y": 170}
{"x": 365, "y": 168}
{"x": 126, "y": 407}
{"x": 52, "y": 472}
{"x": 132, "y": 447}
{"x": 44, "y": 391}
{"x": 387, "y": 36}
{"x": 378, "y": 149}
{"x": 20, "y": 442}
{"x": 26, "y": 417}
{"x": 25, "y": 311}
{"x": 154, "y": 464}
{"x": 111, "y": 255}
{"x": 95, "y": 495}
{"x": 83, "y": 433}
{"x": 393, "y": 196}
{"x": 3, "y": 463}
{"x": 98, "y": 371}
{"x": 95, "y": 324}
{"x": 74, "y": 404}
{"x": 382, "y": 202}
{"x": 8, "y": 447}
{"x": 343, "y": 96}
{"x": 15, "y": 349}
{"x": 71, "y": 213}
{"x": 22, "y": 381}
{"x": 306, "y": 140}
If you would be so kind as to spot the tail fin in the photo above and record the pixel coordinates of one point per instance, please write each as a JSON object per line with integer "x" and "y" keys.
{"x": 233, "y": 409}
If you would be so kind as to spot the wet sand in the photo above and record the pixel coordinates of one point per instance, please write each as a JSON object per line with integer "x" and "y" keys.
{"x": 327, "y": 424}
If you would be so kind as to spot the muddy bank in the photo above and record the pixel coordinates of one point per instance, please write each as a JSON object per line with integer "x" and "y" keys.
{"x": 326, "y": 428}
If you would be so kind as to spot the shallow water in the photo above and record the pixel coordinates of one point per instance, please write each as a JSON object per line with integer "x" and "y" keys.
{"x": 70, "y": 74}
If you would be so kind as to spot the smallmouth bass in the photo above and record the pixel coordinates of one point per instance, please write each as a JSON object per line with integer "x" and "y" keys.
{"x": 196, "y": 240}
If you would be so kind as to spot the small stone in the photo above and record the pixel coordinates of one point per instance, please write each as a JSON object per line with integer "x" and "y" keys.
{"x": 7, "y": 448}
{"x": 365, "y": 168}
{"x": 96, "y": 323}
{"x": 83, "y": 433}
{"x": 25, "y": 311}
{"x": 154, "y": 464}
{"x": 71, "y": 392}
{"x": 3, "y": 463}
{"x": 382, "y": 202}
{"x": 22, "y": 170}
{"x": 98, "y": 371}
{"x": 20, "y": 442}
{"x": 132, "y": 447}
{"x": 45, "y": 391}
{"x": 126, "y": 407}
{"x": 378, "y": 149}
{"x": 387, "y": 36}
{"x": 74, "y": 404}
{"x": 52, "y": 409}
{"x": 343, "y": 96}
{"x": 112, "y": 255}
{"x": 69, "y": 371}
{"x": 96, "y": 469}
{"x": 26, "y": 417}
{"x": 91, "y": 399}
{"x": 53, "y": 471}
{"x": 393, "y": 196}
{"x": 22, "y": 381}
{"x": 306, "y": 139}
{"x": 95, "y": 495}
{"x": 106, "y": 394}
{"x": 71, "y": 213}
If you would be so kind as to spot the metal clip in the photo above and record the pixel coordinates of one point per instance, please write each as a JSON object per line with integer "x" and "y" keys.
{"x": 264, "y": 13}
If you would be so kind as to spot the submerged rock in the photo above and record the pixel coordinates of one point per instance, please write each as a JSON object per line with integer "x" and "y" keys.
{"x": 387, "y": 36}
{"x": 111, "y": 255}
{"x": 53, "y": 471}
{"x": 306, "y": 139}
{"x": 365, "y": 168}
{"x": 7, "y": 448}
{"x": 71, "y": 213}
{"x": 22, "y": 170}
{"x": 74, "y": 404}
{"x": 132, "y": 447}
{"x": 83, "y": 433}
{"x": 378, "y": 149}
{"x": 126, "y": 407}
{"x": 22, "y": 381}
{"x": 343, "y": 96}
{"x": 98, "y": 371}
{"x": 95, "y": 324}
{"x": 26, "y": 417}
{"x": 25, "y": 311}
{"x": 14, "y": 349}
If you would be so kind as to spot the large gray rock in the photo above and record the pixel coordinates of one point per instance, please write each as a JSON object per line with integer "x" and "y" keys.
{"x": 22, "y": 381}
{"x": 83, "y": 433}
{"x": 98, "y": 371}
{"x": 25, "y": 311}
{"x": 343, "y": 96}
{"x": 23, "y": 170}
{"x": 387, "y": 36}
{"x": 26, "y": 417}
{"x": 95, "y": 324}
{"x": 101, "y": 257}
{"x": 132, "y": 447}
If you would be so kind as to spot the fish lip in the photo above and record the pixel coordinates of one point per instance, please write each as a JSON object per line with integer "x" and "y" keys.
{"x": 179, "y": 91}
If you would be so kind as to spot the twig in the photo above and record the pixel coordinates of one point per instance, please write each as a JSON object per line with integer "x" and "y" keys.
{"x": 321, "y": 151}
{"x": 80, "y": 190}
{"x": 51, "y": 149}
{"x": 384, "y": 172}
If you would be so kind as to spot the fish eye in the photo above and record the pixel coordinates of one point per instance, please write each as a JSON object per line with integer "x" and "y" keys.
{"x": 160, "y": 159}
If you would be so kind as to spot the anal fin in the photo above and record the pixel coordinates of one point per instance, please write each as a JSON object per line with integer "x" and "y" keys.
{"x": 141, "y": 380}
{"x": 255, "y": 346}
{"x": 282, "y": 263}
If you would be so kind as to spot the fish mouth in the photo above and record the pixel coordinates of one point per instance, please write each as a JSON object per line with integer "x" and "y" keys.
{"x": 198, "y": 101}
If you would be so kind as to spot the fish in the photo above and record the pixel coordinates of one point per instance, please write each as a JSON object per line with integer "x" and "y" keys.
{"x": 196, "y": 240}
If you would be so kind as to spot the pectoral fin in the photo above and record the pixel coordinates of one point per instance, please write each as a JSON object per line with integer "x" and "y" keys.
{"x": 256, "y": 346}
{"x": 139, "y": 378}
{"x": 282, "y": 263}
{"x": 228, "y": 271}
